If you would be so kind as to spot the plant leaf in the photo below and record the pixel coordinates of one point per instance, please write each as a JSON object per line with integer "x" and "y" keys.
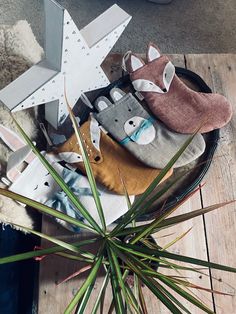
{"x": 128, "y": 217}
{"x": 170, "y": 282}
{"x": 84, "y": 302}
{"x": 42, "y": 252}
{"x": 44, "y": 209}
{"x": 88, "y": 282}
{"x": 87, "y": 166}
{"x": 185, "y": 294}
{"x": 61, "y": 243}
{"x": 170, "y": 296}
{"x": 128, "y": 294}
{"x": 165, "y": 300}
{"x": 101, "y": 292}
{"x": 194, "y": 286}
{"x": 72, "y": 197}
{"x": 176, "y": 239}
{"x": 77, "y": 273}
{"x": 137, "y": 249}
{"x": 117, "y": 297}
{"x": 141, "y": 298}
{"x": 176, "y": 219}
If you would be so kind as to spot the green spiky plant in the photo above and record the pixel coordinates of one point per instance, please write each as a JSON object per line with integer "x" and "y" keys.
{"x": 117, "y": 256}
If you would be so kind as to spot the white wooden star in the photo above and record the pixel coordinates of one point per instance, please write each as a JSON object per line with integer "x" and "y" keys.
{"x": 71, "y": 56}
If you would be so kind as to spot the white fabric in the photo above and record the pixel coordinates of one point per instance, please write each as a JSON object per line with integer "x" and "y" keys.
{"x": 42, "y": 187}
{"x": 70, "y": 157}
{"x": 146, "y": 137}
{"x": 95, "y": 133}
{"x": 153, "y": 53}
{"x": 12, "y": 212}
{"x": 142, "y": 85}
{"x": 35, "y": 182}
{"x": 114, "y": 205}
{"x": 168, "y": 75}
{"x": 136, "y": 63}
{"x": 18, "y": 51}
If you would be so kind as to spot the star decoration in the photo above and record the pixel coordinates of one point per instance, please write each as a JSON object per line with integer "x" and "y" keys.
{"x": 71, "y": 56}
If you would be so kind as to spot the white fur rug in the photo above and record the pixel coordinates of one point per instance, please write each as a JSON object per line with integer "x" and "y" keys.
{"x": 18, "y": 51}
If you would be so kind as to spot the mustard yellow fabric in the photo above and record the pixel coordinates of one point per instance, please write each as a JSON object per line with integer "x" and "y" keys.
{"x": 112, "y": 163}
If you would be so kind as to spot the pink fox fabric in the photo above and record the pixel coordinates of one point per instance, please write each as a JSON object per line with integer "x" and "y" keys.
{"x": 180, "y": 108}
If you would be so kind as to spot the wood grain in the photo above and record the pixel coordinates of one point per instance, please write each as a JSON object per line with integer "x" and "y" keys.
{"x": 220, "y": 73}
{"x": 213, "y": 234}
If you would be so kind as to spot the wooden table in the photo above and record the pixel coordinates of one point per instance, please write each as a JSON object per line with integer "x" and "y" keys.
{"x": 213, "y": 236}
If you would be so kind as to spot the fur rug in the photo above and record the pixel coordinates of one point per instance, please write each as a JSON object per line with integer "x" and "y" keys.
{"x": 18, "y": 51}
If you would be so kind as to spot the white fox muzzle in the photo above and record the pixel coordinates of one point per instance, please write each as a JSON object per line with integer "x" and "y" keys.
{"x": 143, "y": 85}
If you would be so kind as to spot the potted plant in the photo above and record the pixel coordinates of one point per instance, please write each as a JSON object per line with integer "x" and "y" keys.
{"x": 123, "y": 250}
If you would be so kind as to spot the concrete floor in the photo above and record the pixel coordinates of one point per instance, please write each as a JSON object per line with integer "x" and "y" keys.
{"x": 184, "y": 26}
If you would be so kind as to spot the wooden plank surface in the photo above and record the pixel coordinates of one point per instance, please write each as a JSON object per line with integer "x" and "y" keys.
{"x": 220, "y": 73}
{"x": 212, "y": 235}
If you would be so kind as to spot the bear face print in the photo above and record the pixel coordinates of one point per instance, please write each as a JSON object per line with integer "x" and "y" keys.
{"x": 144, "y": 131}
{"x": 126, "y": 120}
{"x": 146, "y": 138}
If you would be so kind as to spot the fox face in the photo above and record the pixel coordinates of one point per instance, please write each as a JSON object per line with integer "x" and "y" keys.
{"x": 125, "y": 119}
{"x": 154, "y": 76}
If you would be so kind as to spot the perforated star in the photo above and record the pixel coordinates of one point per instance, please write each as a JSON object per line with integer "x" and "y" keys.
{"x": 71, "y": 56}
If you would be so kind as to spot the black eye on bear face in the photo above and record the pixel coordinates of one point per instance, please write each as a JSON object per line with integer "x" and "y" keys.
{"x": 129, "y": 109}
{"x": 131, "y": 122}
{"x": 46, "y": 183}
{"x": 116, "y": 120}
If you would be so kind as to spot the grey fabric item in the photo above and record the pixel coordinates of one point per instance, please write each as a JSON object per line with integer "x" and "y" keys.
{"x": 146, "y": 138}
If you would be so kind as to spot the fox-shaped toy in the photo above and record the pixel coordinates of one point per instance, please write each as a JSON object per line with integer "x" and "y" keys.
{"x": 112, "y": 165}
{"x": 176, "y": 105}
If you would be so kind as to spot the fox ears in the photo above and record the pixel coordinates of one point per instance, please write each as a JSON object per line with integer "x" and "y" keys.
{"x": 133, "y": 62}
{"x": 153, "y": 52}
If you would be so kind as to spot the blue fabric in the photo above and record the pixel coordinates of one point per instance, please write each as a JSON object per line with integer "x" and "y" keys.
{"x": 60, "y": 200}
{"x": 136, "y": 135}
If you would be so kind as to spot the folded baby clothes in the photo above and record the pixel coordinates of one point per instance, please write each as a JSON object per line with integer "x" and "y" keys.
{"x": 145, "y": 137}
{"x": 113, "y": 205}
{"x": 179, "y": 107}
{"x": 110, "y": 161}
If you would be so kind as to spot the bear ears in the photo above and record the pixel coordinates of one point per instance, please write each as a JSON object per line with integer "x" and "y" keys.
{"x": 103, "y": 102}
{"x": 133, "y": 62}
